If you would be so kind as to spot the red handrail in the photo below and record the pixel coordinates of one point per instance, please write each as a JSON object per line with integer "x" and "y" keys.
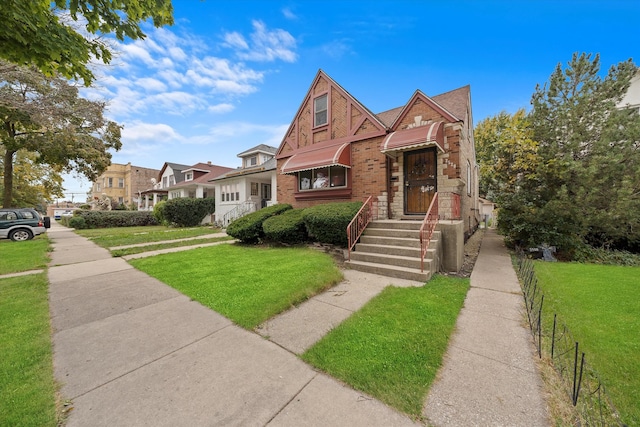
{"x": 428, "y": 227}
{"x": 359, "y": 223}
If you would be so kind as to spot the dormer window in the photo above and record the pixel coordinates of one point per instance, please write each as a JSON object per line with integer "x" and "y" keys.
{"x": 188, "y": 176}
{"x": 320, "y": 111}
{"x": 252, "y": 161}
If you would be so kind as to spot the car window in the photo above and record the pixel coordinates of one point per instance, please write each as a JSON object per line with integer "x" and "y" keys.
{"x": 27, "y": 214}
{"x": 8, "y": 216}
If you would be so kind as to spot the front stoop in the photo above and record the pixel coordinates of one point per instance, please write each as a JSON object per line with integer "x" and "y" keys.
{"x": 392, "y": 248}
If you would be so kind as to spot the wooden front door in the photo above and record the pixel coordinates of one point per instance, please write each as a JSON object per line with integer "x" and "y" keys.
{"x": 420, "y": 180}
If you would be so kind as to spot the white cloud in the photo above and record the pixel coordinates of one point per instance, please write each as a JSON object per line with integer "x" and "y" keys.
{"x": 236, "y": 131}
{"x": 150, "y": 84}
{"x": 266, "y": 45}
{"x": 288, "y": 13}
{"x": 221, "y": 108}
{"x": 140, "y": 131}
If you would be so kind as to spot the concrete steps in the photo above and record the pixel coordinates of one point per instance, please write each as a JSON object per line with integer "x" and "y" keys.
{"x": 392, "y": 248}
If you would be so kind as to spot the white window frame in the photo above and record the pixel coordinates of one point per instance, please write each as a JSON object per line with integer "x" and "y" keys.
{"x": 316, "y": 183}
{"x": 318, "y": 110}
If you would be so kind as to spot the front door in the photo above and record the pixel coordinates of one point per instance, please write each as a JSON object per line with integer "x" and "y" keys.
{"x": 420, "y": 180}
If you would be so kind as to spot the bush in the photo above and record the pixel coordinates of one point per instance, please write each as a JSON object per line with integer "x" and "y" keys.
{"x": 107, "y": 219}
{"x": 158, "y": 212}
{"x": 187, "y": 211}
{"x": 249, "y": 228}
{"x": 327, "y": 223}
{"x": 76, "y": 222}
{"x": 288, "y": 227}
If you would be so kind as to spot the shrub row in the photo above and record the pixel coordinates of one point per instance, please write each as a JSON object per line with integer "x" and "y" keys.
{"x": 187, "y": 211}
{"x": 326, "y": 223}
{"x": 249, "y": 228}
{"x": 107, "y": 219}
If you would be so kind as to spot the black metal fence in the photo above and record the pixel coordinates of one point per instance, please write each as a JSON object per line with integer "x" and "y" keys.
{"x": 587, "y": 392}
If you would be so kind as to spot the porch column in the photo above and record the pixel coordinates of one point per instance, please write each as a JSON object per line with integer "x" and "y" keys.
{"x": 274, "y": 188}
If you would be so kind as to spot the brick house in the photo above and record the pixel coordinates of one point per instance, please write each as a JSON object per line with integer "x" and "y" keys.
{"x": 336, "y": 149}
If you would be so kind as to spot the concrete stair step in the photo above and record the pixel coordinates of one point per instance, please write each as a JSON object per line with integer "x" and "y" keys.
{"x": 390, "y": 270}
{"x": 386, "y": 259}
{"x": 394, "y": 224}
{"x": 392, "y": 232}
{"x": 390, "y": 250}
{"x": 390, "y": 241}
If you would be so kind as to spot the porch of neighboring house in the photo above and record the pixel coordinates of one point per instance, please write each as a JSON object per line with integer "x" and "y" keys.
{"x": 149, "y": 198}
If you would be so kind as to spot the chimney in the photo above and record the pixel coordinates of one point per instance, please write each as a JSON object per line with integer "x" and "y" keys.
{"x": 209, "y": 162}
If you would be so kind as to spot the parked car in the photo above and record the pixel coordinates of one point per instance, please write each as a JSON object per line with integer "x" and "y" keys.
{"x": 22, "y": 223}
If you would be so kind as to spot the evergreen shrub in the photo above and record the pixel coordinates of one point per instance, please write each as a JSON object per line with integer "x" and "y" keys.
{"x": 76, "y": 222}
{"x": 108, "y": 219}
{"x": 187, "y": 211}
{"x": 287, "y": 227}
{"x": 327, "y": 223}
{"x": 248, "y": 228}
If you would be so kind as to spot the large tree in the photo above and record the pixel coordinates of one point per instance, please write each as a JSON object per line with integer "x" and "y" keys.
{"x": 45, "y": 116}
{"x": 63, "y": 36}
{"x": 568, "y": 173}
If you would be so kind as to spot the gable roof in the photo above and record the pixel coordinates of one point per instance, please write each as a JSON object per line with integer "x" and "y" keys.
{"x": 211, "y": 170}
{"x": 262, "y": 148}
{"x": 176, "y": 167}
{"x": 265, "y": 167}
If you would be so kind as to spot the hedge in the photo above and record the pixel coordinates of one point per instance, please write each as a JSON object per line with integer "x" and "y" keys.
{"x": 248, "y": 228}
{"x": 288, "y": 227}
{"x": 187, "y": 211}
{"x": 327, "y": 223}
{"x": 107, "y": 219}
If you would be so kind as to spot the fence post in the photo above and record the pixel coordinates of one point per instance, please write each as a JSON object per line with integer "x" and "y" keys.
{"x": 574, "y": 396}
{"x": 540, "y": 328}
{"x": 553, "y": 336}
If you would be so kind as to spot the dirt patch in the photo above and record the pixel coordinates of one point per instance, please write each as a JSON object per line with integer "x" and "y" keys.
{"x": 471, "y": 251}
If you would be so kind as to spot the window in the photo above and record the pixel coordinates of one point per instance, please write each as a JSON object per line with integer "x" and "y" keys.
{"x": 469, "y": 183}
{"x": 121, "y": 182}
{"x": 98, "y": 187}
{"x": 109, "y": 182}
{"x": 172, "y": 179}
{"x": 252, "y": 161}
{"x": 320, "y": 110}
{"x": 324, "y": 178}
{"x": 188, "y": 176}
{"x": 121, "y": 200}
{"x": 254, "y": 189}
{"x": 165, "y": 182}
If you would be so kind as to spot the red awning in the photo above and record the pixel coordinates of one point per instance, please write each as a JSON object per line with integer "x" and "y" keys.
{"x": 422, "y": 136}
{"x": 335, "y": 155}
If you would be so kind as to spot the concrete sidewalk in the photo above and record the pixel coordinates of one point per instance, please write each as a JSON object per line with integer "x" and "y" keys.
{"x": 489, "y": 377}
{"x": 129, "y": 350}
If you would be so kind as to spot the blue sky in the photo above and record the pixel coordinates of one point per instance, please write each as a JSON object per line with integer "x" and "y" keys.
{"x": 230, "y": 75}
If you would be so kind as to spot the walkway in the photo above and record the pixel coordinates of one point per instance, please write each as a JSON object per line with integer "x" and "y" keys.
{"x": 489, "y": 377}
{"x": 129, "y": 350}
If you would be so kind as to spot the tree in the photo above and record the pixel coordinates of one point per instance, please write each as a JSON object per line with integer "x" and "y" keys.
{"x": 33, "y": 183}
{"x": 45, "y": 116}
{"x": 50, "y": 34}
{"x": 567, "y": 173}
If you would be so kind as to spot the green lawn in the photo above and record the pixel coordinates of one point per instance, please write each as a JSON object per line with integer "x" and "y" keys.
{"x": 27, "y": 388}
{"x": 23, "y": 256}
{"x": 158, "y": 246}
{"x": 247, "y": 284}
{"x": 601, "y": 306}
{"x": 393, "y": 347}
{"x": 120, "y": 236}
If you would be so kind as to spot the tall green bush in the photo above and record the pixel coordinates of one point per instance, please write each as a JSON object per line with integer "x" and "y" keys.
{"x": 248, "y": 229}
{"x": 288, "y": 227}
{"x": 327, "y": 223}
{"x": 107, "y": 219}
{"x": 187, "y": 211}
{"x": 158, "y": 212}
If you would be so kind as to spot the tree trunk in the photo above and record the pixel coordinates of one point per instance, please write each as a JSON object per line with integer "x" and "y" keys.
{"x": 8, "y": 178}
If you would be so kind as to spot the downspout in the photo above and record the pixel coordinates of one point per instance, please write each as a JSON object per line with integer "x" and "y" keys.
{"x": 388, "y": 166}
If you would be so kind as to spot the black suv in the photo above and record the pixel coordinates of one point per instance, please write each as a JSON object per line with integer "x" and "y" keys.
{"x": 22, "y": 224}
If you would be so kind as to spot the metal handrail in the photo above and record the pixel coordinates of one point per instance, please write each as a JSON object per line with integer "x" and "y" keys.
{"x": 359, "y": 223}
{"x": 427, "y": 228}
{"x": 239, "y": 211}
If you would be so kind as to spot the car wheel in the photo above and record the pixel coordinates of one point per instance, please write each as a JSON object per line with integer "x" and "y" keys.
{"x": 20, "y": 235}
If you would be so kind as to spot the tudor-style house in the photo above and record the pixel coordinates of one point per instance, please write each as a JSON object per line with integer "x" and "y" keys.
{"x": 336, "y": 149}
{"x": 247, "y": 188}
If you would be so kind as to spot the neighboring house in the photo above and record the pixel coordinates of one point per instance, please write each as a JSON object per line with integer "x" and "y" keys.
{"x": 194, "y": 181}
{"x": 123, "y": 184}
{"x": 248, "y": 188}
{"x": 336, "y": 149}
{"x": 487, "y": 209}
{"x": 632, "y": 98}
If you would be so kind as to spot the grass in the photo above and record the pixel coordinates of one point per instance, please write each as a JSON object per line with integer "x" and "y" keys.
{"x": 392, "y": 348}
{"x": 120, "y": 236}
{"x": 27, "y": 388}
{"x": 244, "y": 283}
{"x": 24, "y": 256}
{"x": 158, "y": 246}
{"x": 600, "y": 305}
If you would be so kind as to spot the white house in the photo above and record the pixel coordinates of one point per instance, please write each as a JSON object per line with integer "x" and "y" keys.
{"x": 248, "y": 188}
{"x": 632, "y": 98}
